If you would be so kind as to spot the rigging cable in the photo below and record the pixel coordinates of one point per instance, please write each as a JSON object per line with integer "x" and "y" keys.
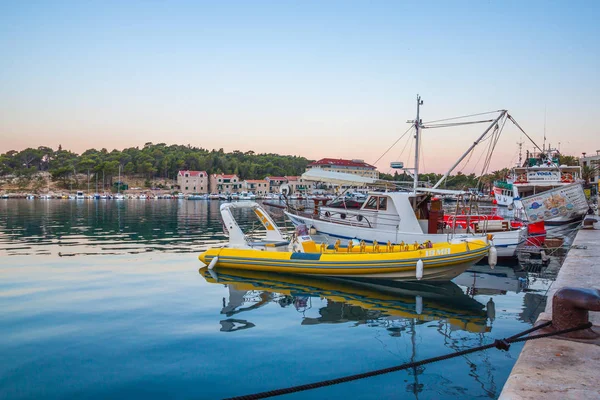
{"x": 493, "y": 143}
{"x": 409, "y": 142}
{"x": 464, "y": 116}
{"x": 400, "y": 138}
{"x": 525, "y": 133}
{"x": 457, "y": 124}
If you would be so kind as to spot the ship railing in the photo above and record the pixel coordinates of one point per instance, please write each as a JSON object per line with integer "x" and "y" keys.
{"x": 345, "y": 217}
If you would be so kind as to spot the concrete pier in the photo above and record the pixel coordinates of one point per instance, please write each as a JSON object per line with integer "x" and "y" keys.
{"x": 556, "y": 368}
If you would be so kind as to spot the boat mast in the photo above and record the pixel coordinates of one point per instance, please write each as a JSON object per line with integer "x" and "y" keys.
{"x": 119, "y": 185}
{"x": 417, "y": 123}
{"x": 443, "y": 178}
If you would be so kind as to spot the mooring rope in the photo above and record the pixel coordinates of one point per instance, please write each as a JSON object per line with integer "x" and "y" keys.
{"x": 500, "y": 344}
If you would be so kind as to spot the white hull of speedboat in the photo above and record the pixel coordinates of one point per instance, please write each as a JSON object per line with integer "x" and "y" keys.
{"x": 505, "y": 242}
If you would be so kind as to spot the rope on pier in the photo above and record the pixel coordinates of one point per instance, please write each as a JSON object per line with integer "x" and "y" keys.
{"x": 500, "y": 344}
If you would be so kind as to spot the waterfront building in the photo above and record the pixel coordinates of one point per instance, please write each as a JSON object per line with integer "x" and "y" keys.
{"x": 225, "y": 184}
{"x": 259, "y": 187}
{"x": 192, "y": 181}
{"x": 275, "y": 183}
{"x": 297, "y": 184}
{"x": 357, "y": 167}
{"x": 592, "y": 162}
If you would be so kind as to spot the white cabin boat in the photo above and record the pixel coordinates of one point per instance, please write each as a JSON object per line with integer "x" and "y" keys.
{"x": 537, "y": 175}
{"x": 246, "y": 196}
{"x": 390, "y": 217}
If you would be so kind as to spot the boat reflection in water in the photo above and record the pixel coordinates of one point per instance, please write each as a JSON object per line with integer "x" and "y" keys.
{"x": 376, "y": 302}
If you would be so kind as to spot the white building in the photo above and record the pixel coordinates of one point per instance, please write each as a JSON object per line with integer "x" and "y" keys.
{"x": 192, "y": 181}
{"x": 357, "y": 167}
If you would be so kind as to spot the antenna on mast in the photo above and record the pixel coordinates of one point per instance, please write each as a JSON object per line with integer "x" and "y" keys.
{"x": 418, "y": 126}
{"x": 520, "y": 152}
{"x": 544, "y": 145}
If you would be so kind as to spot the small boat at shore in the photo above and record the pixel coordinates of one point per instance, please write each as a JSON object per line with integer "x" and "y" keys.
{"x": 302, "y": 255}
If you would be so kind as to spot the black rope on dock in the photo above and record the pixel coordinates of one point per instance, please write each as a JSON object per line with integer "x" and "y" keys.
{"x": 500, "y": 344}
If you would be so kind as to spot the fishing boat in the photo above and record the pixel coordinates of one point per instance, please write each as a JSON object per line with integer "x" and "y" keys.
{"x": 539, "y": 173}
{"x": 403, "y": 215}
{"x": 302, "y": 255}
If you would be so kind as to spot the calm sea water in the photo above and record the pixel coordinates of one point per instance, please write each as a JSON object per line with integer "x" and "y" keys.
{"x": 105, "y": 299}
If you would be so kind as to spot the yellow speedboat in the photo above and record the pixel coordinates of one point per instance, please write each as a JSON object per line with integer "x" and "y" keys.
{"x": 302, "y": 255}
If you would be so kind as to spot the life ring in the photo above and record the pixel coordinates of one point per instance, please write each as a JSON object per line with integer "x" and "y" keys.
{"x": 522, "y": 179}
{"x": 567, "y": 178}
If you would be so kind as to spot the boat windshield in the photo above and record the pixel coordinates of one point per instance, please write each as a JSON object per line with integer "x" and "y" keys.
{"x": 371, "y": 203}
{"x": 376, "y": 203}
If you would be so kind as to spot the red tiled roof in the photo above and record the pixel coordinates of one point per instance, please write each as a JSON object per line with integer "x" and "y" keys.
{"x": 276, "y": 178}
{"x": 292, "y": 178}
{"x": 193, "y": 173}
{"x": 341, "y": 162}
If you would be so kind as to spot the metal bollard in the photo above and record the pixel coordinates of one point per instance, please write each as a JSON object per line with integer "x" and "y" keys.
{"x": 571, "y": 307}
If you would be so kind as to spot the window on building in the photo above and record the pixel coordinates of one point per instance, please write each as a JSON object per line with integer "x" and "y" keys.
{"x": 186, "y": 188}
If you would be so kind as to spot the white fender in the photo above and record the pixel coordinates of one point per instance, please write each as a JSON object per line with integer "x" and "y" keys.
{"x": 491, "y": 309}
{"x": 419, "y": 271}
{"x": 212, "y": 263}
{"x": 214, "y": 275}
{"x": 419, "y": 305}
{"x": 492, "y": 257}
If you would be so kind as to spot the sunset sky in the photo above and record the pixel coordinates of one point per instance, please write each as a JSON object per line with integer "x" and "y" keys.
{"x": 309, "y": 78}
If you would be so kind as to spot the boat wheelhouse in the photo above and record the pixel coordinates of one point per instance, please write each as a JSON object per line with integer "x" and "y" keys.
{"x": 537, "y": 175}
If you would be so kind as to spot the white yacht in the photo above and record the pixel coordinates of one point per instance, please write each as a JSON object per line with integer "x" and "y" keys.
{"x": 389, "y": 216}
